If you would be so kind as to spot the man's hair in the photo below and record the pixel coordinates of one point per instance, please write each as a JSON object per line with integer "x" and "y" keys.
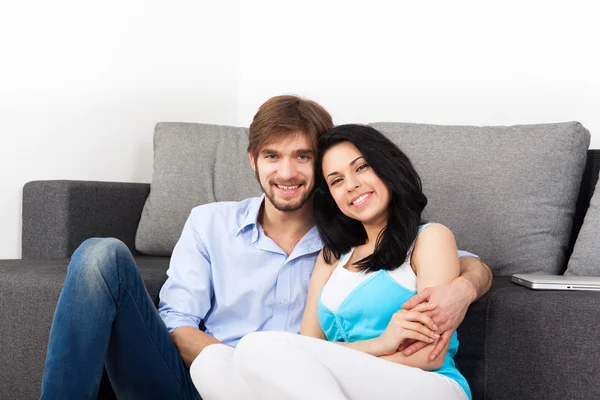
{"x": 339, "y": 232}
{"x": 281, "y": 115}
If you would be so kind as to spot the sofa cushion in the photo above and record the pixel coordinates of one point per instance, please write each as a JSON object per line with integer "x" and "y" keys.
{"x": 194, "y": 164}
{"x": 469, "y": 358}
{"x": 29, "y": 291}
{"x": 540, "y": 344}
{"x": 585, "y": 259}
{"x": 508, "y": 192}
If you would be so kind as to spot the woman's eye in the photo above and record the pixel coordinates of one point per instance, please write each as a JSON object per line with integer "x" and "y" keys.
{"x": 361, "y": 167}
{"x": 335, "y": 181}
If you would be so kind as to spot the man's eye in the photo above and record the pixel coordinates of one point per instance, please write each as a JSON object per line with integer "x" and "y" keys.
{"x": 270, "y": 156}
{"x": 304, "y": 157}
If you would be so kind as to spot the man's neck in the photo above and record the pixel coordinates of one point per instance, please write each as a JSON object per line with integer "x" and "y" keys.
{"x": 286, "y": 228}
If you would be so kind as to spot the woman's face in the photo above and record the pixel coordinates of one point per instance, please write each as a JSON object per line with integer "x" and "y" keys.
{"x": 357, "y": 190}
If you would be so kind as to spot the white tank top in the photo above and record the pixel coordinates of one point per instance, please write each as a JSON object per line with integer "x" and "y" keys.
{"x": 342, "y": 281}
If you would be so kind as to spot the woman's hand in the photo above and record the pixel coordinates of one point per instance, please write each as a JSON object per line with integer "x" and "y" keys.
{"x": 406, "y": 325}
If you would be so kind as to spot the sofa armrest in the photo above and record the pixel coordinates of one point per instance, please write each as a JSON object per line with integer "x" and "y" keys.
{"x": 541, "y": 344}
{"x": 59, "y": 215}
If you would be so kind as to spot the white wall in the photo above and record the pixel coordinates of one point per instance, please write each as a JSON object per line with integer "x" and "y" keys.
{"x": 446, "y": 62}
{"x": 83, "y": 83}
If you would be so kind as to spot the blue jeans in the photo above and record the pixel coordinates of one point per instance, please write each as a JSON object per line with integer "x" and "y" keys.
{"x": 105, "y": 318}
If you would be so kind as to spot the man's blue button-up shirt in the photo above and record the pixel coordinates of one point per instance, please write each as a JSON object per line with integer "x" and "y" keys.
{"x": 226, "y": 273}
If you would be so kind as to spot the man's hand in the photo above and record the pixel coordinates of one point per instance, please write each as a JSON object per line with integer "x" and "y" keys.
{"x": 190, "y": 342}
{"x": 450, "y": 303}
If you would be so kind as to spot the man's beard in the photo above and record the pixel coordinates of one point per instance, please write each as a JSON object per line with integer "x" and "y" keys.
{"x": 280, "y": 205}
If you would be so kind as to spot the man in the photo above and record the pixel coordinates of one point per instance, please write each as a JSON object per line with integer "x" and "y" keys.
{"x": 237, "y": 268}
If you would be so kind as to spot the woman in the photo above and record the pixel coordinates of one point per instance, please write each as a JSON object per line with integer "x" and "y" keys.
{"x": 377, "y": 254}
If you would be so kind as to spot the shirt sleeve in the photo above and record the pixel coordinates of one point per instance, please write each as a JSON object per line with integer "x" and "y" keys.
{"x": 185, "y": 296}
{"x": 462, "y": 253}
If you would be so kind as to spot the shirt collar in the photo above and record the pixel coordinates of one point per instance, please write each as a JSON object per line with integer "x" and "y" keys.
{"x": 312, "y": 240}
{"x": 251, "y": 217}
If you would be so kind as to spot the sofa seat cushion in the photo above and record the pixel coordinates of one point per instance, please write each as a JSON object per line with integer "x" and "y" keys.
{"x": 541, "y": 344}
{"x": 507, "y": 192}
{"x": 469, "y": 358}
{"x": 29, "y": 291}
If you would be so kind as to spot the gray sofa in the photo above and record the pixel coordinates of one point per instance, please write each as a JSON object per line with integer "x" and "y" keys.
{"x": 515, "y": 343}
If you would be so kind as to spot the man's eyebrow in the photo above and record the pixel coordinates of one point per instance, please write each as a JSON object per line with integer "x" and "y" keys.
{"x": 351, "y": 163}
{"x": 303, "y": 152}
{"x": 269, "y": 151}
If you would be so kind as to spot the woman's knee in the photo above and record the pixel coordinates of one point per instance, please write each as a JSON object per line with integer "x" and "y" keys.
{"x": 261, "y": 340}
{"x": 258, "y": 347}
{"x": 212, "y": 362}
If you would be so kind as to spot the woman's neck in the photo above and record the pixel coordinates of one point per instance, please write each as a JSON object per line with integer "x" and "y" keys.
{"x": 373, "y": 232}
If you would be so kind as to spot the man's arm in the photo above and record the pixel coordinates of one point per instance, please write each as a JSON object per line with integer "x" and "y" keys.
{"x": 185, "y": 298}
{"x": 452, "y": 301}
{"x": 477, "y": 274}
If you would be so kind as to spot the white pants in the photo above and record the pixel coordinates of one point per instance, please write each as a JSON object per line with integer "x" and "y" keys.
{"x": 280, "y": 365}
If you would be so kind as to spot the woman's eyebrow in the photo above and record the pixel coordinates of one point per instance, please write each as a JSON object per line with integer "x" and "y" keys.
{"x": 351, "y": 163}
{"x": 355, "y": 160}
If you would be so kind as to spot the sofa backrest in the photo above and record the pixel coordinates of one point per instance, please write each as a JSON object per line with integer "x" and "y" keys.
{"x": 194, "y": 164}
{"x": 586, "y": 191}
{"x": 508, "y": 193}
{"x": 585, "y": 256}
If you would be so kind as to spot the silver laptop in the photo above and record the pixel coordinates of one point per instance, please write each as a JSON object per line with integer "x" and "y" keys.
{"x": 557, "y": 282}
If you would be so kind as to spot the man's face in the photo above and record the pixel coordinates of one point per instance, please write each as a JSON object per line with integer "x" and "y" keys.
{"x": 285, "y": 171}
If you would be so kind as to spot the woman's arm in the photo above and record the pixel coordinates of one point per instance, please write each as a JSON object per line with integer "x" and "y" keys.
{"x": 310, "y": 323}
{"x": 452, "y": 300}
{"x": 404, "y": 325}
{"x": 377, "y": 347}
{"x": 435, "y": 259}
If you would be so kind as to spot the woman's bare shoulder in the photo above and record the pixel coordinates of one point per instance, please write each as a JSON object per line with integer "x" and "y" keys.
{"x": 323, "y": 264}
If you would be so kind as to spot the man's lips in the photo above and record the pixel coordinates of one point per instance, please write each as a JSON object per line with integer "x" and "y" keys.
{"x": 288, "y": 189}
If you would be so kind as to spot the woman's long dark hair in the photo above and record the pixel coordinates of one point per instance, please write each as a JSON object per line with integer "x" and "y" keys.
{"x": 339, "y": 232}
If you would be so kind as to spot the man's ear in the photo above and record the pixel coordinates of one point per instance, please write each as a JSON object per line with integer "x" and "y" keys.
{"x": 252, "y": 161}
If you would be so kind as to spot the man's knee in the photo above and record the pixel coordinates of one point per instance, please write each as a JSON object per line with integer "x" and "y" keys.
{"x": 103, "y": 245}
{"x": 98, "y": 255}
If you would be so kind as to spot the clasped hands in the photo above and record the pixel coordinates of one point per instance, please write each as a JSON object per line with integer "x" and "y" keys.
{"x": 432, "y": 314}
